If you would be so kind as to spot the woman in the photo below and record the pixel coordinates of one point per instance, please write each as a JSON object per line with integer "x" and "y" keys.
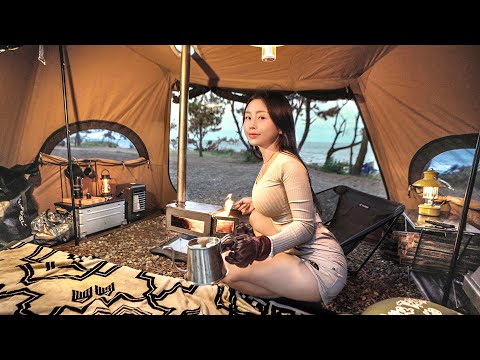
{"x": 290, "y": 254}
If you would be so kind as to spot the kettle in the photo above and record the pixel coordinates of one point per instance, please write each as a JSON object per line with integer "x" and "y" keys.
{"x": 205, "y": 264}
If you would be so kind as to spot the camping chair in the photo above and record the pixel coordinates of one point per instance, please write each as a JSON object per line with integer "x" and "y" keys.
{"x": 352, "y": 214}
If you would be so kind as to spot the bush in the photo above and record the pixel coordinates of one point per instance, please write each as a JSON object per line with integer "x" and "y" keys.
{"x": 90, "y": 143}
{"x": 335, "y": 166}
{"x": 249, "y": 157}
{"x": 223, "y": 152}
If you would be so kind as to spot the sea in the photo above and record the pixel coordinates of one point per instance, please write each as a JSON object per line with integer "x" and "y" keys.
{"x": 445, "y": 161}
{"x": 315, "y": 152}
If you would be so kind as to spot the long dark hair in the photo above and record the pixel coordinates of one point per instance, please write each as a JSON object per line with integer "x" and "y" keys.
{"x": 280, "y": 112}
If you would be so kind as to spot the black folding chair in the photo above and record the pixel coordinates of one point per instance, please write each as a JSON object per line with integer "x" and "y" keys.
{"x": 352, "y": 214}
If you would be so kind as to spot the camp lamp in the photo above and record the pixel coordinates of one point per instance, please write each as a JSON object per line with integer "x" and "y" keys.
{"x": 269, "y": 52}
{"x": 106, "y": 187}
{"x": 430, "y": 184}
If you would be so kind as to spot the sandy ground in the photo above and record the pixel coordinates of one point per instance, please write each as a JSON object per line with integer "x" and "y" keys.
{"x": 210, "y": 178}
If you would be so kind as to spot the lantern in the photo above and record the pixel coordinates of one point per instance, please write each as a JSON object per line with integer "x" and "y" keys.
{"x": 430, "y": 184}
{"x": 106, "y": 187}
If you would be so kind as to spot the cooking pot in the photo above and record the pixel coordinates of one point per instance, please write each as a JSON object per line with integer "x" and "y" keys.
{"x": 204, "y": 260}
{"x": 90, "y": 172}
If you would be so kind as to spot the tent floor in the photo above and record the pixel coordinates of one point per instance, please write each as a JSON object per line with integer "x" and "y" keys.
{"x": 148, "y": 215}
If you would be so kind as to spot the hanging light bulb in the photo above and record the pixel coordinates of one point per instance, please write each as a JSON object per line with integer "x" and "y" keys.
{"x": 269, "y": 52}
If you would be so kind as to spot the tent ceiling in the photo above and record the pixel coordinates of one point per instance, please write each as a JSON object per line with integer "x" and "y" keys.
{"x": 297, "y": 68}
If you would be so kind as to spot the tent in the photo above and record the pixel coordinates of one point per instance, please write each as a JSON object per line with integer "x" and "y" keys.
{"x": 407, "y": 95}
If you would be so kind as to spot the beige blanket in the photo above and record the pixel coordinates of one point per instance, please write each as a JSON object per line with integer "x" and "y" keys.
{"x": 39, "y": 280}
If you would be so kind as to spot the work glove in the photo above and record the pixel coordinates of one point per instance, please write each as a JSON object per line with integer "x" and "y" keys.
{"x": 245, "y": 228}
{"x": 247, "y": 248}
{"x": 227, "y": 244}
{"x": 242, "y": 229}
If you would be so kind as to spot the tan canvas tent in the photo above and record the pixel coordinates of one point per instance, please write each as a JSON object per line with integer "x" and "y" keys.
{"x": 407, "y": 95}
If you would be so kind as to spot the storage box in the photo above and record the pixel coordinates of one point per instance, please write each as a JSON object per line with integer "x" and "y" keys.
{"x": 99, "y": 216}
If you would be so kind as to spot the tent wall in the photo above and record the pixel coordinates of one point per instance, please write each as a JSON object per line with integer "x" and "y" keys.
{"x": 54, "y": 183}
{"x": 111, "y": 83}
{"x": 413, "y": 95}
{"x": 17, "y": 80}
{"x": 408, "y": 95}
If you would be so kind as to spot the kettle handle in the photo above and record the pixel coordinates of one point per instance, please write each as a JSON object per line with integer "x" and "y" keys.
{"x": 173, "y": 259}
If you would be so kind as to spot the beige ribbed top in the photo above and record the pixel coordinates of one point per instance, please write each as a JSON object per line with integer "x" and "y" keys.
{"x": 283, "y": 194}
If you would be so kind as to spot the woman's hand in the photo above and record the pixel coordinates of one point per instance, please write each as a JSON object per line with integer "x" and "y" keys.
{"x": 245, "y": 205}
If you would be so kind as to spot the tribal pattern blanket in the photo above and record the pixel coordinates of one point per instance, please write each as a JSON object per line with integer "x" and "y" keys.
{"x": 39, "y": 280}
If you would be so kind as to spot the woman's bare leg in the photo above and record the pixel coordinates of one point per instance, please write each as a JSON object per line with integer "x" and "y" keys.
{"x": 283, "y": 275}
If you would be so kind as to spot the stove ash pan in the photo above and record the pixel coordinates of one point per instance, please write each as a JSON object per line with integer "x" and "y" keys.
{"x": 200, "y": 219}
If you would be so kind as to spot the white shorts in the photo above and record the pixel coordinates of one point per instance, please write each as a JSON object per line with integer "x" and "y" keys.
{"x": 331, "y": 278}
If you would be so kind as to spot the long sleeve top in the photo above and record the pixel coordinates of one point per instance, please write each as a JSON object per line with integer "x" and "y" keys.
{"x": 283, "y": 194}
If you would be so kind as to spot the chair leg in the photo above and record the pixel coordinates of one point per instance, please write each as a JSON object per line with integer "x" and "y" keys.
{"x": 394, "y": 220}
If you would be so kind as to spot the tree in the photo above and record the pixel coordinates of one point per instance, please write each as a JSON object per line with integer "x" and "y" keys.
{"x": 79, "y": 136}
{"x": 298, "y": 103}
{"x": 109, "y": 138}
{"x": 357, "y": 168}
{"x": 205, "y": 115}
{"x": 339, "y": 125}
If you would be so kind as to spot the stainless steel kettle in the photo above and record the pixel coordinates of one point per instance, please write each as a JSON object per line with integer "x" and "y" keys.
{"x": 204, "y": 260}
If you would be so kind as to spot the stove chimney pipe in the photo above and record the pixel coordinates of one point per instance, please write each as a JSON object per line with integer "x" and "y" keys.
{"x": 182, "y": 127}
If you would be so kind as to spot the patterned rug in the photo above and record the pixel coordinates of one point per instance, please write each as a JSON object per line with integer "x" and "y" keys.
{"x": 39, "y": 280}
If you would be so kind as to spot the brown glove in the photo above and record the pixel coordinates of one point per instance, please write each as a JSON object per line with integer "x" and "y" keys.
{"x": 248, "y": 248}
{"x": 245, "y": 228}
{"x": 227, "y": 244}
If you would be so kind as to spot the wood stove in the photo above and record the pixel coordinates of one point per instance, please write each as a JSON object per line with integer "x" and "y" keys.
{"x": 199, "y": 219}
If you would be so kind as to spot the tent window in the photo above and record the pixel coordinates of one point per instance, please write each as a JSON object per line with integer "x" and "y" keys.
{"x": 97, "y": 139}
{"x": 452, "y": 158}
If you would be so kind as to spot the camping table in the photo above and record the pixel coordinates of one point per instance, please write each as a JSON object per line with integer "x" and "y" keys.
{"x": 418, "y": 222}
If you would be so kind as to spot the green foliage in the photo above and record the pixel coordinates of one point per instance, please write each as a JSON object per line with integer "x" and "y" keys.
{"x": 205, "y": 115}
{"x": 335, "y": 166}
{"x": 249, "y": 157}
{"x": 90, "y": 143}
{"x": 224, "y": 152}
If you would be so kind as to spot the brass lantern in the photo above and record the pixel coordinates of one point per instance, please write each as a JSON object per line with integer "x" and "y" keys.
{"x": 106, "y": 187}
{"x": 430, "y": 184}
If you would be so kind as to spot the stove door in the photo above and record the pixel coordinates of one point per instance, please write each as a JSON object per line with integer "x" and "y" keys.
{"x": 223, "y": 225}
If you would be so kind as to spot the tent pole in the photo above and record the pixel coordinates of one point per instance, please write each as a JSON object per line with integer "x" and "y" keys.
{"x": 182, "y": 127}
{"x": 463, "y": 221}
{"x": 69, "y": 151}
